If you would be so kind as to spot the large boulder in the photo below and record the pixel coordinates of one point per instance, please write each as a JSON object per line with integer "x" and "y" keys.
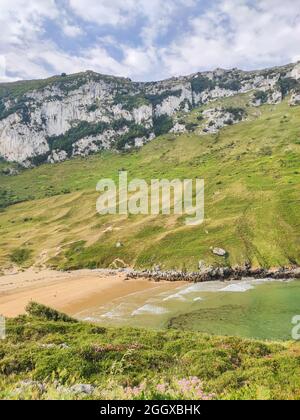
{"x": 220, "y": 252}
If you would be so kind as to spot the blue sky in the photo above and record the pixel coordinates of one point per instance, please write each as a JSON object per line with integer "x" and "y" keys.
{"x": 145, "y": 39}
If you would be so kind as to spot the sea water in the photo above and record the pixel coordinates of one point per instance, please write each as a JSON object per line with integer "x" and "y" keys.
{"x": 250, "y": 308}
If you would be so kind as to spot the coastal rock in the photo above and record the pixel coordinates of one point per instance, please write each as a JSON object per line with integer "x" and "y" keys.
{"x": 217, "y": 273}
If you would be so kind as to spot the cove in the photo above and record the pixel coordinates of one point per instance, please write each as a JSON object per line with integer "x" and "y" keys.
{"x": 262, "y": 309}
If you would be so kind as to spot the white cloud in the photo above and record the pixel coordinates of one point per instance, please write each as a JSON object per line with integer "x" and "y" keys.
{"x": 157, "y": 14}
{"x": 226, "y": 33}
{"x": 236, "y": 34}
{"x": 22, "y": 19}
{"x": 72, "y": 31}
{"x": 103, "y": 12}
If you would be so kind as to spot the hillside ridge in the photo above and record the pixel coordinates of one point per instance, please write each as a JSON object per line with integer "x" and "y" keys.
{"x": 65, "y": 116}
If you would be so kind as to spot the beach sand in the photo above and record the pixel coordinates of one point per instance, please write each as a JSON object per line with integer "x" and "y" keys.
{"x": 70, "y": 292}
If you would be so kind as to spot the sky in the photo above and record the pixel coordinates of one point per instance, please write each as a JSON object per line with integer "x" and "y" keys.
{"x": 145, "y": 39}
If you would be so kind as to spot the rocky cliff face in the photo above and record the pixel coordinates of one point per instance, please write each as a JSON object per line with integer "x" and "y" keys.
{"x": 55, "y": 119}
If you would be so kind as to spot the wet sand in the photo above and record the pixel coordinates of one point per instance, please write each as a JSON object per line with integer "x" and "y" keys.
{"x": 70, "y": 292}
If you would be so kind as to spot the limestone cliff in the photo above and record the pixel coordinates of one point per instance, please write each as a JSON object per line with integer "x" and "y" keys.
{"x": 64, "y": 116}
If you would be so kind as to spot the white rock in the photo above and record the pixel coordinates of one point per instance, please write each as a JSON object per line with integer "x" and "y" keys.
{"x": 57, "y": 156}
{"x": 178, "y": 128}
{"x": 295, "y": 99}
{"x": 82, "y": 389}
{"x": 219, "y": 251}
{"x": 295, "y": 73}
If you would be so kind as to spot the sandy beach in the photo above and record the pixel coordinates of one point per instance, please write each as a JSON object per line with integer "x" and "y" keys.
{"x": 70, "y": 292}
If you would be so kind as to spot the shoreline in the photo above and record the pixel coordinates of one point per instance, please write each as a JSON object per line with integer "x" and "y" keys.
{"x": 69, "y": 292}
{"x": 75, "y": 291}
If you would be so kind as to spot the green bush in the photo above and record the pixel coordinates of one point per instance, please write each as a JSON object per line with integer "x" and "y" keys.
{"x": 162, "y": 124}
{"x": 286, "y": 85}
{"x": 20, "y": 255}
{"x": 157, "y": 99}
{"x": 233, "y": 84}
{"x": 39, "y": 159}
{"x": 202, "y": 83}
{"x": 130, "y": 102}
{"x": 237, "y": 112}
{"x": 92, "y": 108}
{"x": 261, "y": 96}
{"x": 128, "y": 138}
{"x": 2, "y": 109}
{"x": 191, "y": 126}
{"x": 43, "y": 312}
{"x": 81, "y": 130}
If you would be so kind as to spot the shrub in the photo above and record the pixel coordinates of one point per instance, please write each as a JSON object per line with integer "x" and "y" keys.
{"x": 261, "y": 96}
{"x": 92, "y": 108}
{"x": 81, "y": 130}
{"x": 191, "y": 126}
{"x": 286, "y": 85}
{"x": 39, "y": 159}
{"x": 2, "y": 109}
{"x": 128, "y": 138}
{"x": 202, "y": 83}
{"x": 130, "y": 102}
{"x": 157, "y": 99}
{"x": 237, "y": 112}
{"x": 233, "y": 84}
{"x": 20, "y": 255}
{"x": 41, "y": 311}
{"x": 162, "y": 124}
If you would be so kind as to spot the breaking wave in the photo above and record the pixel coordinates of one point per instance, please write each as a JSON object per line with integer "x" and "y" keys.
{"x": 150, "y": 309}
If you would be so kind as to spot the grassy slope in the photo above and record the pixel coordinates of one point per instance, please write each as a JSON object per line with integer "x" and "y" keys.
{"x": 59, "y": 354}
{"x": 252, "y": 173}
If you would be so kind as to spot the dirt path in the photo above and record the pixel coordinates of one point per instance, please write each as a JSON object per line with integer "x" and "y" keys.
{"x": 70, "y": 292}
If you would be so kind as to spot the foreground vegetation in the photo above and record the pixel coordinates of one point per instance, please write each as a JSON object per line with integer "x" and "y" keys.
{"x": 47, "y": 355}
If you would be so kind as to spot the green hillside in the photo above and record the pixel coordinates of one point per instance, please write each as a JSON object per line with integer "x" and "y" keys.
{"x": 45, "y": 356}
{"x": 252, "y": 196}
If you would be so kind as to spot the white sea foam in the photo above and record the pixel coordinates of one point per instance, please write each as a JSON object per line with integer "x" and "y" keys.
{"x": 176, "y": 296}
{"x": 270, "y": 280}
{"x": 197, "y": 299}
{"x": 238, "y": 287}
{"x": 90, "y": 319}
{"x": 150, "y": 309}
{"x": 110, "y": 314}
{"x": 116, "y": 312}
{"x": 194, "y": 288}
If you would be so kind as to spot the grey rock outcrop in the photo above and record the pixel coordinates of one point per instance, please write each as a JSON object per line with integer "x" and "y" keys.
{"x": 211, "y": 273}
{"x": 65, "y": 116}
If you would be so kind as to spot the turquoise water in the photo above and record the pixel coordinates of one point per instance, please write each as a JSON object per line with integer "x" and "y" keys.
{"x": 250, "y": 308}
